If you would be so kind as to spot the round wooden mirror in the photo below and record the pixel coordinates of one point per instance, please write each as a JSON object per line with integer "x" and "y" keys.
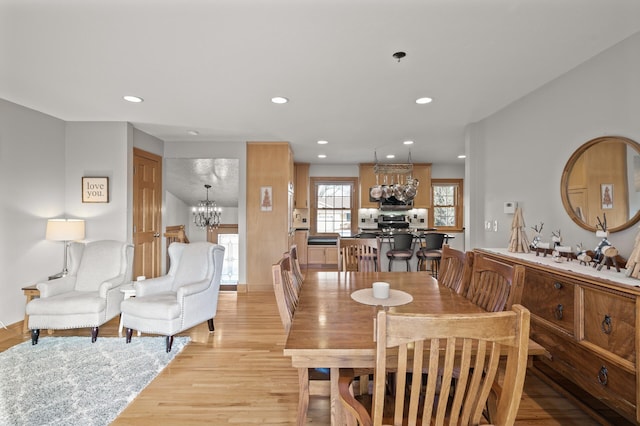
{"x": 602, "y": 181}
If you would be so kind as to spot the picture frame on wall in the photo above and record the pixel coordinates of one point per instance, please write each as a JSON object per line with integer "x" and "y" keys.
{"x": 95, "y": 189}
{"x": 606, "y": 195}
{"x": 266, "y": 199}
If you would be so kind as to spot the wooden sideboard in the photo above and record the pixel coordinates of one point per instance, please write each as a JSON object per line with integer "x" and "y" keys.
{"x": 587, "y": 320}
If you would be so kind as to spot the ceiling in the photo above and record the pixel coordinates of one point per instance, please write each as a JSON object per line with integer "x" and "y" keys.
{"x": 212, "y": 66}
{"x": 185, "y": 178}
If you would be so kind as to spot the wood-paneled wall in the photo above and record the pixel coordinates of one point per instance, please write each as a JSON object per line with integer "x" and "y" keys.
{"x": 268, "y": 164}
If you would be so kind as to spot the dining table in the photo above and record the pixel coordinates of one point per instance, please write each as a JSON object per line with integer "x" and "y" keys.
{"x": 333, "y": 324}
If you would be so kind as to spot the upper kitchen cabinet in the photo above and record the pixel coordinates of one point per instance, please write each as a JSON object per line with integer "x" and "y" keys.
{"x": 301, "y": 186}
{"x": 422, "y": 172}
{"x": 368, "y": 179}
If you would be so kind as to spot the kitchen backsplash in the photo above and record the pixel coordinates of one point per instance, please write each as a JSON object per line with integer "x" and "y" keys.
{"x": 368, "y": 218}
{"x": 301, "y": 218}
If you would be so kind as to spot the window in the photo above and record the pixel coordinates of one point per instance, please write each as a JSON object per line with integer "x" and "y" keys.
{"x": 446, "y": 196}
{"x": 332, "y": 207}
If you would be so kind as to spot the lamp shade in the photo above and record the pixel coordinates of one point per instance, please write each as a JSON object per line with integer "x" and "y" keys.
{"x": 65, "y": 229}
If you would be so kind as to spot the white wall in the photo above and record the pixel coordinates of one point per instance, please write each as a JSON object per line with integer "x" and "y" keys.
{"x": 519, "y": 153}
{"x": 32, "y": 188}
{"x": 99, "y": 149}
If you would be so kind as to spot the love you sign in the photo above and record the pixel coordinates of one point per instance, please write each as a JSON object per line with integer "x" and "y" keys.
{"x": 95, "y": 189}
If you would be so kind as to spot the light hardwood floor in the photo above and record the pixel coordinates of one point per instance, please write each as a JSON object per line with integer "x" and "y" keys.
{"x": 238, "y": 375}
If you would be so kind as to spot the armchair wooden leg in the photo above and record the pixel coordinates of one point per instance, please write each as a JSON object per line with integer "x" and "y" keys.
{"x": 94, "y": 334}
{"x": 128, "y": 335}
{"x": 34, "y": 336}
{"x": 210, "y": 324}
{"x": 169, "y": 343}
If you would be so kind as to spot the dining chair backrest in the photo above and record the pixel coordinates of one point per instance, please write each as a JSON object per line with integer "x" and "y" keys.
{"x": 295, "y": 264}
{"x": 285, "y": 290}
{"x": 439, "y": 344}
{"x": 495, "y": 286}
{"x": 455, "y": 269}
{"x": 359, "y": 254}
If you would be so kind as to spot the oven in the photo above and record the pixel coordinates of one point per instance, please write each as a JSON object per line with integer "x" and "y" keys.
{"x": 393, "y": 221}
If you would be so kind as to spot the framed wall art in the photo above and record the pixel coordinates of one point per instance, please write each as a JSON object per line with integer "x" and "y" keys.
{"x": 95, "y": 189}
{"x": 266, "y": 199}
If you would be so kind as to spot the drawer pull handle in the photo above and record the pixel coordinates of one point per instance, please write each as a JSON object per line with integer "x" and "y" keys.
{"x": 557, "y": 285}
{"x": 603, "y": 376}
{"x": 558, "y": 312}
{"x": 606, "y": 324}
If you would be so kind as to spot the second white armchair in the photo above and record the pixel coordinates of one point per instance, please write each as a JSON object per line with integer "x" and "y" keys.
{"x": 185, "y": 297}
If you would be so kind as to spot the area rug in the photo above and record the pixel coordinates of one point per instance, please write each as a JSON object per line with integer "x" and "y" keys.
{"x": 71, "y": 381}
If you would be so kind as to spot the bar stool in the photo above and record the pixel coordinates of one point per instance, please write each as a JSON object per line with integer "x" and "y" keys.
{"x": 401, "y": 249}
{"x": 431, "y": 251}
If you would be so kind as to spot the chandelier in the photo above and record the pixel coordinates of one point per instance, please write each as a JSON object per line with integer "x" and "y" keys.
{"x": 207, "y": 213}
{"x": 402, "y": 186}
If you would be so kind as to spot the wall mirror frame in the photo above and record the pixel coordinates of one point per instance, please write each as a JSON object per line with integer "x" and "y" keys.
{"x": 602, "y": 179}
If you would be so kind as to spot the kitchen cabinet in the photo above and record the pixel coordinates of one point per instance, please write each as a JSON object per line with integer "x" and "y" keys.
{"x": 300, "y": 240}
{"x": 587, "y": 321}
{"x": 269, "y": 165}
{"x": 322, "y": 256}
{"x": 367, "y": 180}
{"x": 422, "y": 172}
{"x": 301, "y": 186}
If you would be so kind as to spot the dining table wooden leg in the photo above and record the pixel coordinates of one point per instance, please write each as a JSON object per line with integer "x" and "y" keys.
{"x": 303, "y": 397}
{"x": 337, "y": 413}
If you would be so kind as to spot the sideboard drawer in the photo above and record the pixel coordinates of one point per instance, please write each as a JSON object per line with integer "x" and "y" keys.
{"x": 550, "y": 297}
{"x": 609, "y": 322}
{"x": 612, "y": 385}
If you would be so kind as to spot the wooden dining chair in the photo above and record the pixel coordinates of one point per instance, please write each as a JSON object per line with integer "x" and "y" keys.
{"x": 455, "y": 269}
{"x": 295, "y": 263}
{"x": 495, "y": 286}
{"x": 287, "y": 296}
{"x": 472, "y": 344}
{"x": 359, "y": 254}
{"x": 285, "y": 290}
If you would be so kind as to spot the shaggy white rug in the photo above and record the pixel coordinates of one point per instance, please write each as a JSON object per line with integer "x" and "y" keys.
{"x": 71, "y": 381}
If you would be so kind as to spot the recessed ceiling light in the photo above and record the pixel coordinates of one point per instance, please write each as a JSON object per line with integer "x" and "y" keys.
{"x": 462, "y": 156}
{"x": 134, "y": 99}
{"x": 323, "y": 142}
{"x": 408, "y": 142}
{"x": 322, "y": 155}
{"x": 391, "y": 156}
{"x": 423, "y": 101}
{"x": 193, "y": 132}
{"x": 279, "y": 100}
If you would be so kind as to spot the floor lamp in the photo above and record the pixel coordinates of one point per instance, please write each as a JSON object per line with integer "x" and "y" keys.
{"x": 64, "y": 230}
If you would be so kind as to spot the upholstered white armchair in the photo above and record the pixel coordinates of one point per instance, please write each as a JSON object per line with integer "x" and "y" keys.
{"x": 185, "y": 297}
{"x": 89, "y": 295}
